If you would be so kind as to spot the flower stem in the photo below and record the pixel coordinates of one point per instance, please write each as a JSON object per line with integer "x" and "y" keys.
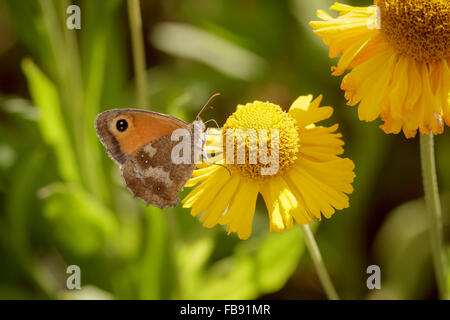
{"x": 322, "y": 272}
{"x": 433, "y": 206}
{"x": 137, "y": 39}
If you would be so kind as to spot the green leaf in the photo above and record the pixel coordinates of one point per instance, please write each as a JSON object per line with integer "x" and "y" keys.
{"x": 79, "y": 221}
{"x": 192, "y": 256}
{"x": 402, "y": 251}
{"x": 51, "y": 121}
{"x": 20, "y": 201}
{"x": 209, "y": 49}
{"x": 14, "y": 292}
{"x": 29, "y": 25}
{"x": 251, "y": 273}
{"x": 277, "y": 259}
{"x": 153, "y": 260}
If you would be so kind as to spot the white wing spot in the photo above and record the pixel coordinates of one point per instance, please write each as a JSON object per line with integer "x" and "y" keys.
{"x": 156, "y": 173}
{"x": 149, "y": 150}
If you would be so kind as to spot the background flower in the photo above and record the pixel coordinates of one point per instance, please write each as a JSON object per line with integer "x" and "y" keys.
{"x": 399, "y": 53}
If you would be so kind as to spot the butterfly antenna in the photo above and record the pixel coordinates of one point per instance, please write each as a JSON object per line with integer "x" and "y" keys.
{"x": 206, "y": 104}
{"x": 213, "y": 120}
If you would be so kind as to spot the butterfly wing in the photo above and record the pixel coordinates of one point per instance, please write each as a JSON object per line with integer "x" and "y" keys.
{"x": 124, "y": 131}
{"x": 140, "y": 142}
{"x": 151, "y": 175}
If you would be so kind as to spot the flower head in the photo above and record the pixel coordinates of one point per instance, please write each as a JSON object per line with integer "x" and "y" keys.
{"x": 251, "y": 119}
{"x": 399, "y": 53}
{"x": 309, "y": 179}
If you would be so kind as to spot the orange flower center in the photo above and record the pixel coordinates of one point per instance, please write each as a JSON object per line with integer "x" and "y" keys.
{"x": 419, "y": 29}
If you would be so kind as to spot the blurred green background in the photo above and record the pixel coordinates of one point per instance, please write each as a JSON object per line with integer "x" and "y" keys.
{"x": 62, "y": 199}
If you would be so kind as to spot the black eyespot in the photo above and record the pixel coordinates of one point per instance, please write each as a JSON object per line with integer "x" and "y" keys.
{"x": 158, "y": 188}
{"x": 122, "y": 125}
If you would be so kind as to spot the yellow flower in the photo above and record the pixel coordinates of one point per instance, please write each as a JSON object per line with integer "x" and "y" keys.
{"x": 310, "y": 179}
{"x": 399, "y": 51}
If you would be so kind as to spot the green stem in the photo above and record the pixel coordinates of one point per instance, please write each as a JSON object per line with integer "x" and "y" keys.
{"x": 137, "y": 39}
{"x": 433, "y": 206}
{"x": 322, "y": 272}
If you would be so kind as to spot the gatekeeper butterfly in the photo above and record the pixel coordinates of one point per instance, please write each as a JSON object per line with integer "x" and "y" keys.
{"x": 141, "y": 143}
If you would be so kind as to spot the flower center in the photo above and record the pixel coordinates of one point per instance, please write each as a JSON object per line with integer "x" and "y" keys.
{"x": 419, "y": 29}
{"x": 260, "y": 140}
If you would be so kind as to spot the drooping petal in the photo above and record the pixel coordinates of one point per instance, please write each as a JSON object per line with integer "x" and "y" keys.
{"x": 202, "y": 190}
{"x": 200, "y": 175}
{"x": 312, "y": 194}
{"x": 220, "y": 203}
{"x": 221, "y": 177}
{"x": 239, "y": 216}
{"x": 353, "y": 26}
{"x": 283, "y": 205}
{"x": 279, "y": 203}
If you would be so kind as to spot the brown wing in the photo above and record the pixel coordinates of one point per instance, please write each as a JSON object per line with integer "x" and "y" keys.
{"x": 124, "y": 131}
{"x": 152, "y": 176}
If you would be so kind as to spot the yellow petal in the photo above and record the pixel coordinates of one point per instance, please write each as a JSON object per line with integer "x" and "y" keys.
{"x": 211, "y": 193}
{"x": 283, "y": 205}
{"x": 200, "y": 175}
{"x": 337, "y": 173}
{"x": 211, "y": 217}
{"x": 239, "y": 217}
{"x": 301, "y": 103}
{"x": 306, "y": 112}
{"x": 321, "y": 144}
{"x": 203, "y": 188}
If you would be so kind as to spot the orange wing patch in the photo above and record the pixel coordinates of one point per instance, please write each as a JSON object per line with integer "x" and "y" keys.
{"x": 142, "y": 129}
{"x": 135, "y": 130}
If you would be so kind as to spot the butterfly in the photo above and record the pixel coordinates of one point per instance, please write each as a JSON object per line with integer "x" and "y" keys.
{"x": 141, "y": 143}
